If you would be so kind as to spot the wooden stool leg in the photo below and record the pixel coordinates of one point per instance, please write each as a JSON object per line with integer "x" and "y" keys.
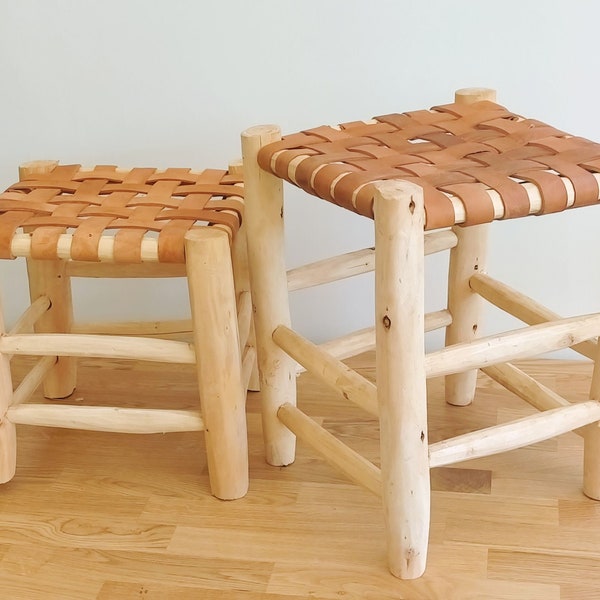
{"x": 50, "y": 278}
{"x": 264, "y": 222}
{"x": 218, "y": 361}
{"x": 8, "y": 437}
{"x": 591, "y": 443}
{"x": 465, "y": 306}
{"x": 401, "y": 381}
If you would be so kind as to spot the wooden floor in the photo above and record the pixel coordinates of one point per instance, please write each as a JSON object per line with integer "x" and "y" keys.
{"x": 106, "y": 516}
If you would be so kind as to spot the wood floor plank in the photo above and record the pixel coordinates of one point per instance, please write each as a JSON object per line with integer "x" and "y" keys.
{"x": 108, "y": 516}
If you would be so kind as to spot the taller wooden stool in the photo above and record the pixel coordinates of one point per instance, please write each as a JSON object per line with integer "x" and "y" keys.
{"x": 431, "y": 180}
{"x": 68, "y": 221}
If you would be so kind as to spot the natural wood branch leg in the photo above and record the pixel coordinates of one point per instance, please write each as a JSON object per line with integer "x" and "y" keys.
{"x": 591, "y": 442}
{"x": 49, "y": 278}
{"x": 264, "y": 221}
{"x": 8, "y": 437}
{"x": 218, "y": 361}
{"x": 241, "y": 275}
{"x": 465, "y": 306}
{"x": 401, "y": 383}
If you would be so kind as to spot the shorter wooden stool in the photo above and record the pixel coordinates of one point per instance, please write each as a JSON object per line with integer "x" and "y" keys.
{"x": 431, "y": 180}
{"x": 108, "y": 222}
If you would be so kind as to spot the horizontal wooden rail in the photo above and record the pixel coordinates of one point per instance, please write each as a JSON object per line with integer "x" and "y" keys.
{"x": 526, "y": 387}
{"x": 353, "y": 465}
{"x": 98, "y": 346}
{"x": 356, "y": 263}
{"x": 112, "y": 270}
{"x": 329, "y": 370}
{"x": 510, "y": 436}
{"x": 134, "y": 327}
{"x": 110, "y": 419}
{"x": 521, "y": 343}
{"x": 21, "y": 246}
{"x": 522, "y": 307}
{"x": 364, "y": 339}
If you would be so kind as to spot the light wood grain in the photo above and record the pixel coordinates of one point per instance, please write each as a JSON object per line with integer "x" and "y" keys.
{"x": 109, "y": 517}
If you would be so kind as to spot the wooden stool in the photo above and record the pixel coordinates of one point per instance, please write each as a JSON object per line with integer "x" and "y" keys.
{"x": 432, "y": 180}
{"x": 108, "y": 222}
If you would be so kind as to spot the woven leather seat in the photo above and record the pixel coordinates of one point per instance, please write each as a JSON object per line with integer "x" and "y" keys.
{"x": 69, "y": 221}
{"x": 469, "y": 159}
{"x": 431, "y": 180}
{"x": 67, "y": 210}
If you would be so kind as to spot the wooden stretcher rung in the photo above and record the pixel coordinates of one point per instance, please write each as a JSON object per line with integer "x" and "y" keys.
{"x": 353, "y": 465}
{"x": 33, "y": 380}
{"x": 28, "y": 319}
{"x": 98, "y": 346}
{"x": 77, "y": 268}
{"x": 364, "y": 340}
{"x": 521, "y": 343}
{"x": 516, "y": 434}
{"x": 329, "y": 370}
{"x": 127, "y": 328}
{"x": 526, "y": 387}
{"x": 356, "y": 263}
{"x": 522, "y": 307}
{"x": 109, "y": 419}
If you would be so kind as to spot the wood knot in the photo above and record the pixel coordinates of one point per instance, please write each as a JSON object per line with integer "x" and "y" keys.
{"x": 387, "y": 322}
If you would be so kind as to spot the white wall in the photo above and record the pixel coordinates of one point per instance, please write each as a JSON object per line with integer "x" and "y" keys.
{"x": 173, "y": 82}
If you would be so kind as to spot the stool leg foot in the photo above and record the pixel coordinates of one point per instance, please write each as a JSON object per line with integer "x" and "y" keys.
{"x": 465, "y": 305}
{"x": 8, "y": 436}
{"x": 50, "y": 278}
{"x": 401, "y": 380}
{"x": 264, "y": 221}
{"x": 591, "y": 442}
{"x": 218, "y": 360}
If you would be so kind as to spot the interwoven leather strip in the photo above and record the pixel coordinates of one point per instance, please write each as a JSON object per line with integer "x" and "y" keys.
{"x": 459, "y": 150}
{"x": 126, "y": 204}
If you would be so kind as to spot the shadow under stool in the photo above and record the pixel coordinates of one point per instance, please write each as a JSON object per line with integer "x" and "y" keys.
{"x": 68, "y": 221}
{"x": 431, "y": 180}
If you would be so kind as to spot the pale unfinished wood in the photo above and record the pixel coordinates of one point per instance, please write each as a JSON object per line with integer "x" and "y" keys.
{"x": 124, "y": 271}
{"x": 126, "y": 514}
{"x": 521, "y": 343}
{"x": 26, "y": 321}
{"x": 264, "y": 222}
{"x": 364, "y": 340}
{"x": 8, "y": 436}
{"x": 522, "y": 307}
{"x": 21, "y": 247}
{"x": 516, "y": 434}
{"x": 49, "y": 279}
{"x": 127, "y": 328}
{"x": 33, "y": 380}
{"x": 353, "y": 465}
{"x": 356, "y": 263}
{"x": 102, "y": 418}
{"x": 401, "y": 384}
{"x": 244, "y": 317}
{"x": 218, "y": 360}
{"x": 329, "y": 370}
{"x": 591, "y": 441}
{"x": 106, "y": 346}
{"x": 468, "y": 257}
